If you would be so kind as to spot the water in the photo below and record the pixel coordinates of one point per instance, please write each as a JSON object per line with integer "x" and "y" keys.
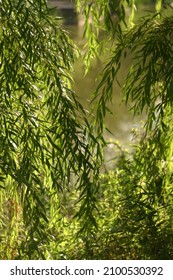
{"x": 122, "y": 121}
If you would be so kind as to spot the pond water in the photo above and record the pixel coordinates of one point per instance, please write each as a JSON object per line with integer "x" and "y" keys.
{"x": 121, "y": 122}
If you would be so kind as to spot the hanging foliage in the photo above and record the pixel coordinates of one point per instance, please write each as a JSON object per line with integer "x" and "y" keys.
{"x": 46, "y": 141}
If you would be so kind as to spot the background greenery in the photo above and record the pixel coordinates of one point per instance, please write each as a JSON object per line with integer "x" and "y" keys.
{"x": 57, "y": 200}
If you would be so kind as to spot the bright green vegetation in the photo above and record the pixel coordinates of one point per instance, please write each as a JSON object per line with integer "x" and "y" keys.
{"x": 56, "y": 199}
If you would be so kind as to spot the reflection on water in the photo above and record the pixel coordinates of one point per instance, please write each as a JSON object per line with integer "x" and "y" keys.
{"x": 65, "y": 9}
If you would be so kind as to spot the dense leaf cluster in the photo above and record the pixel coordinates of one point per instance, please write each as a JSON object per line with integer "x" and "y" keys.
{"x": 46, "y": 141}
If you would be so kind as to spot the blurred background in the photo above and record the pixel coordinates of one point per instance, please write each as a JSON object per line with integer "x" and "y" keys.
{"x": 122, "y": 124}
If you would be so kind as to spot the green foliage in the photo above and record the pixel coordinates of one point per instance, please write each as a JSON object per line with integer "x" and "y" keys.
{"x": 54, "y": 201}
{"x": 148, "y": 45}
{"x": 100, "y": 17}
{"x": 140, "y": 221}
{"x": 158, "y": 5}
{"x": 46, "y": 140}
{"x": 135, "y": 211}
{"x": 145, "y": 218}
